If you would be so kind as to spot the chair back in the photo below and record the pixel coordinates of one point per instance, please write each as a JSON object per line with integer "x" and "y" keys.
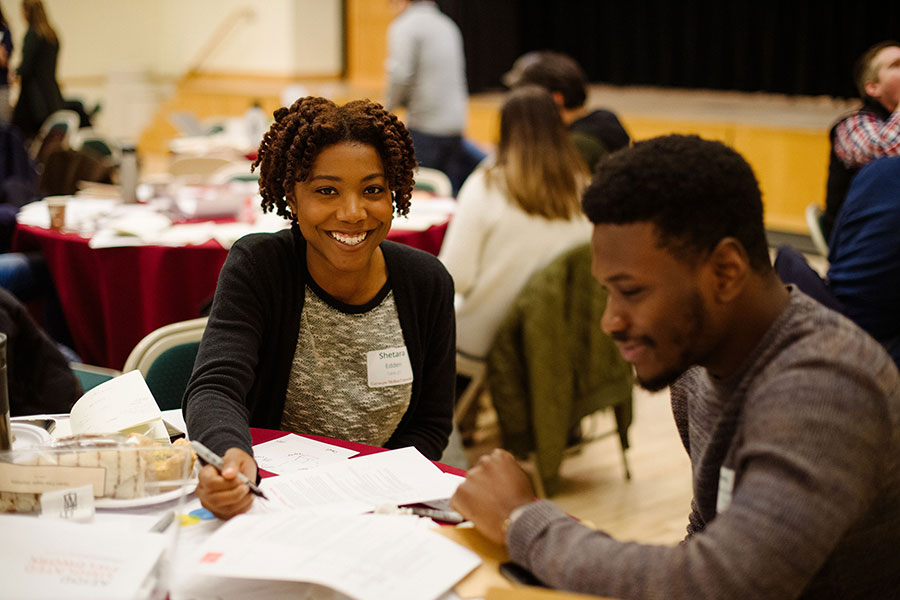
{"x": 234, "y": 171}
{"x": 814, "y": 222}
{"x": 551, "y": 365}
{"x": 59, "y": 130}
{"x": 433, "y": 181}
{"x": 165, "y": 357}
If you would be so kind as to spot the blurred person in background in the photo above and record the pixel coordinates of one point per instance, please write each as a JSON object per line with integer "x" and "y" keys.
{"x": 39, "y": 94}
{"x": 595, "y": 133}
{"x": 516, "y": 212}
{"x": 6, "y": 48}
{"x": 426, "y": 74}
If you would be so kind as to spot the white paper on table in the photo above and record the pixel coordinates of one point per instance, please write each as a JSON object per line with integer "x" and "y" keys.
{"x": 395, "y": 477}
{"x": 293, "y": 453}
{"x": 122, "y": 404}
{"x": 174, "y": 419}
{"x": 69, "y": 560}
{"x": 368, "y": 557}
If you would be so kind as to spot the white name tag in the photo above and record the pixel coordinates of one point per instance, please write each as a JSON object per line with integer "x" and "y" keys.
{"x": 388, "y": 367}
{"x": 726, "y": 486}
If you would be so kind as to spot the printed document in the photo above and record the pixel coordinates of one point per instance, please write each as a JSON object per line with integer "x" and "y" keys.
{"x": 395, "y": 477}
{"x": 367, "y": 557}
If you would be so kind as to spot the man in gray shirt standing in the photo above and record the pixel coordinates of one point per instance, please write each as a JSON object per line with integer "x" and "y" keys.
{"x": 790, "y": 413}
{"x": 426, "y": 74}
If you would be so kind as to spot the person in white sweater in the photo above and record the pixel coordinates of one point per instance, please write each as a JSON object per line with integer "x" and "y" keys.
{"x": 515, "y": 213}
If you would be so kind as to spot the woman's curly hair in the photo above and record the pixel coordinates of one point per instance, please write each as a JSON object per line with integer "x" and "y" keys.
{"x": 299, "y": 133}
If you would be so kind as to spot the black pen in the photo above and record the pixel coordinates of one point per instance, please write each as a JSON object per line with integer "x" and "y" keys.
{"x": 210, "y": 457}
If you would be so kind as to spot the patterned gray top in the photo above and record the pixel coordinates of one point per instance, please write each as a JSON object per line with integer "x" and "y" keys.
{"x": 328, "y": 390}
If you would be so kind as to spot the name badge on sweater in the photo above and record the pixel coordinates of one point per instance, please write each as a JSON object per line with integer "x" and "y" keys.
{"x": 726, "y": 486}
{"x": 388, "y": 367}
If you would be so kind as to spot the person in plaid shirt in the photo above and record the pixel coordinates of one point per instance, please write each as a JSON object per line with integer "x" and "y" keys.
{"x": 872, "y": 131}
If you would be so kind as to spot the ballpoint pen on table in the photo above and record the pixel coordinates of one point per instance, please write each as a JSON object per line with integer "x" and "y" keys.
{"x": 215, "y": 460}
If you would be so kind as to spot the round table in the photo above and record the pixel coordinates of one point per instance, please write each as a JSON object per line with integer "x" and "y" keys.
{"x": 113, "y": 297}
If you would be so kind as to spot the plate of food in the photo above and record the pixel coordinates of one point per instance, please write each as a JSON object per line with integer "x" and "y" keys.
{"x": 126, "y": 471}
{"x": 26, "y": 435}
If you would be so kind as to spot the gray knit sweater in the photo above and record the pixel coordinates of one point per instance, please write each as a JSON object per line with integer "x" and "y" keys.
{"x": 810, "y": 425}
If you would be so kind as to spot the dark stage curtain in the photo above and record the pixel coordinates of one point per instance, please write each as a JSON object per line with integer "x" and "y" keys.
{"x": 793, "y": 47}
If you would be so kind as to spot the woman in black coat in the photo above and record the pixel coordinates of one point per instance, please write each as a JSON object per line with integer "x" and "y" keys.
{"x": 39, "y": 94}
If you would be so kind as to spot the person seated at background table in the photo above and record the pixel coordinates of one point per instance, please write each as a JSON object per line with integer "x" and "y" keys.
{"x": 514, "y": 214}
{"x": 789, "y": 412}
{"x": 595, "y": 133}
{"x": 868, "y": 133}
{"x": 38, "y": 377}
{"x": 325, "y": 328}
{"x": 863, "y": 281}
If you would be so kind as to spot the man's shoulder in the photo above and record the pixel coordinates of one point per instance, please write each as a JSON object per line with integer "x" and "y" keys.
{"x": 817, "y": 348}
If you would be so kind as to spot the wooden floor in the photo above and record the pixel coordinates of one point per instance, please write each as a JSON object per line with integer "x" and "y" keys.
{"x": 653, "y": 506}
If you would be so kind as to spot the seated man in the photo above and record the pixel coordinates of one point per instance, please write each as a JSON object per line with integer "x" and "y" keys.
{"x": 872, "y": 131}
{"x": 864, "y": 258}
{"x": 595, "y": 133}
{"x": 788, "y": 411}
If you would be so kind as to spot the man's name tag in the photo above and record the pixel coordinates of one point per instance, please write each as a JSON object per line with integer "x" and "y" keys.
{"x": 388, "y": 367}
{"x": 726, "y": 487}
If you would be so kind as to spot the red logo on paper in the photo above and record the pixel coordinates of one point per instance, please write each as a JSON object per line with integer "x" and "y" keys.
{"x": 211, "y": 557}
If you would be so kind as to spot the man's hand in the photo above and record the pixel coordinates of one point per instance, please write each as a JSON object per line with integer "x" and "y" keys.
{"x": 225, "y": 495}
{"x": 492, "y": 490}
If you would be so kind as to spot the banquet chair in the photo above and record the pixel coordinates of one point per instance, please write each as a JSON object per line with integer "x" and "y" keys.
{"x": 165, "y": 357}
{"x": 814, "y": 222}
{"x": 473, "y": 369}
{"x": 551, "y": 365}
{"x": 90, "y": 376}
{"x": 62, "y": 127}
{"x": 234, "y": 171}
{"x": 433, "y": 181}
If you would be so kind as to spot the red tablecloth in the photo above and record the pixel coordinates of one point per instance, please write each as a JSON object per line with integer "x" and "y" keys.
{"x": 264, "y": 435}
{"x": 113, "y": 297}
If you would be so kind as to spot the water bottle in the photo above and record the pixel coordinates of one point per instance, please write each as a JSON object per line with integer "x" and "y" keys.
{"x": 5, "y": 434}
{"x": 128, "y": 174}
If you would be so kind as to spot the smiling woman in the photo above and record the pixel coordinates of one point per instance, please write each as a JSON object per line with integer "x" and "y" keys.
{"x": 325, "y": 328}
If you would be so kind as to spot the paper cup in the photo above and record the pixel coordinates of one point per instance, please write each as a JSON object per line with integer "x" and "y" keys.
{"x": 57, "y": 209}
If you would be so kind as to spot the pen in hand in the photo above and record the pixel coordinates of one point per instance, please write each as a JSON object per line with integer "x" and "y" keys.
{"x": 210, "y": 457}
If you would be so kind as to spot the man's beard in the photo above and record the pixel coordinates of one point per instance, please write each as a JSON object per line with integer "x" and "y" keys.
{"x": 696, "y": 319}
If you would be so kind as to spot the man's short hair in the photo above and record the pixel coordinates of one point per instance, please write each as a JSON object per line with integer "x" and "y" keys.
{"x": 865, "y": 69}
{"x": 553, "y": 71}
{"x": 695, "y": 191}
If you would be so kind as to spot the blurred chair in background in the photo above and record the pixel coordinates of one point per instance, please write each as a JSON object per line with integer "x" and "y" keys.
{"x": 433, "y": 181}
{"x": 814, "y": 215}
{"x": 166, "y": 357}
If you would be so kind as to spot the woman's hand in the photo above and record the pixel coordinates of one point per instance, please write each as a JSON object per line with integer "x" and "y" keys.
{"x": 224, "y": 495}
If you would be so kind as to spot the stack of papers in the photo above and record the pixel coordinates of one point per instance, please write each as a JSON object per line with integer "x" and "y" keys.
{"x": 50, "y": 558}
{"x": 312, "y": 534}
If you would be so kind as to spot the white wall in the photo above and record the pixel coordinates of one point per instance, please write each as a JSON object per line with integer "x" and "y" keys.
{"x": 163, "y": 37}
{"x": 128, "y": 54}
